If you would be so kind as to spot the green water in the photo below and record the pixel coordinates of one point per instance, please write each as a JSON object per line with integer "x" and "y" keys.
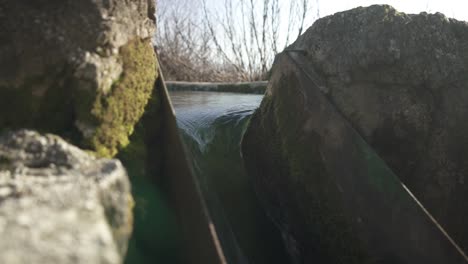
{"x": 155, "y": 237}
{"x": 212, "y": 125}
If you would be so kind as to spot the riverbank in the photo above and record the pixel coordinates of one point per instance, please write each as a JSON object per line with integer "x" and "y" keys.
{"x": 240, "y": 87}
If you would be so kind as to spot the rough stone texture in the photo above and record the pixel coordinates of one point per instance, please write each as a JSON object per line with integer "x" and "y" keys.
{"x": 401, "y": 81}
{"x": 60, "y": 205}
{"x": 77, "y": 68}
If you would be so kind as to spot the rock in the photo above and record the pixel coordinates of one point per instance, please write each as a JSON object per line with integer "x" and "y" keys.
{"x": 400, "y": 80}
{"x": 81, "y": 69}
{"x": 58, "y": 204}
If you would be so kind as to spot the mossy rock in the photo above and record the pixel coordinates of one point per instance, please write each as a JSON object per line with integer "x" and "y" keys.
{"x": 109, "y": 117}
{"x": 68, "y": 69}
{"x": 112, "y": 116}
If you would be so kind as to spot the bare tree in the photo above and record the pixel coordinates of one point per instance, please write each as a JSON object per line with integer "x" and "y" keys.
{"x": 184, "y": 44}
{"x": 233, "y": 41}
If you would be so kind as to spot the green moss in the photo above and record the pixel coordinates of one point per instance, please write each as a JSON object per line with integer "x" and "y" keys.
{"x": 114, "y": 115}
{"x": 56, "y": 101}
{"x": 142, "y": 156}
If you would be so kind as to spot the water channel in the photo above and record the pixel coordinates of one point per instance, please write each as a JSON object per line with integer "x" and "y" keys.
{"x": 212, "y": 125}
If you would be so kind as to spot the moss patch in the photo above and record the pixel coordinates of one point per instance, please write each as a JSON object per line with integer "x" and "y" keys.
{"x": 112, "y": 116}
{"x": 48, "y": 104}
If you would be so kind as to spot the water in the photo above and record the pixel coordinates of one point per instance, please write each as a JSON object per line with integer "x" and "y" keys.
{"x": 198, "y": 111}
{"x": 212, "y": 125}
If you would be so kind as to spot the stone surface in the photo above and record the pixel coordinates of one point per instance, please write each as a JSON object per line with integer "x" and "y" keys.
{"x": 77, "y": 68}
{"x": 58, "y": 204}
{"x": 401, "y": 82}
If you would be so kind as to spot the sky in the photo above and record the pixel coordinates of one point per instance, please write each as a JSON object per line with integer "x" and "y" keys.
{"x": 451, "y": 8}
{"x": 457, "y": 9}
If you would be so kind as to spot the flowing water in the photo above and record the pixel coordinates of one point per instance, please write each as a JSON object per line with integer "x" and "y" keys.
{"x": 212, "y": 125}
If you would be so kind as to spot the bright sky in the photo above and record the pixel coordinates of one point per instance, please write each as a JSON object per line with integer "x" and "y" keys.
{"x": 457, "y": 9}
{"x": 451, "y": 8}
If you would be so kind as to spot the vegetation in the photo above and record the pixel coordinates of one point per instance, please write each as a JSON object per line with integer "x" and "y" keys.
{"x": 232, "y": 40}
{"x": 115, "y": 114}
